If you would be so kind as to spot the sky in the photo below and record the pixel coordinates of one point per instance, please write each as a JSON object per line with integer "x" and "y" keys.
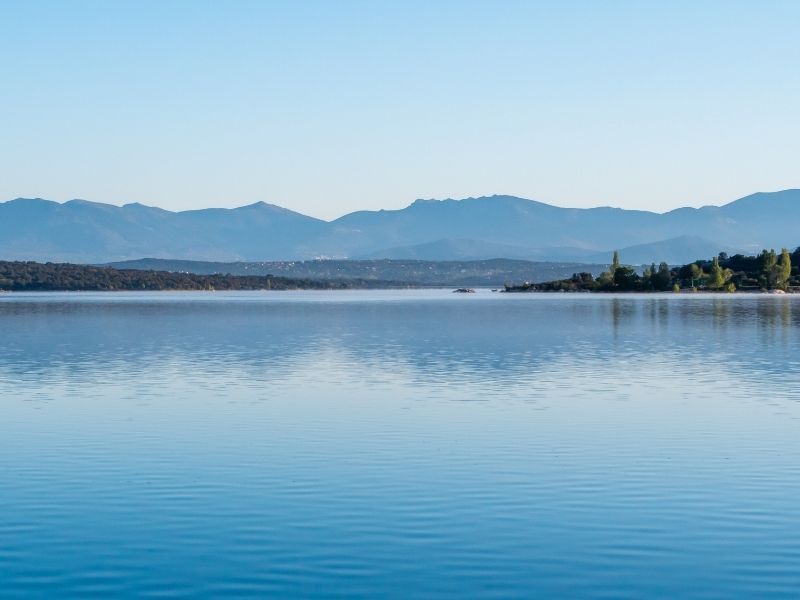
{"x": 330, "y": 107}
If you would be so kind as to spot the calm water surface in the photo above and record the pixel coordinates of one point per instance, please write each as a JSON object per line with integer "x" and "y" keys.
{"x": 405, "y": 444}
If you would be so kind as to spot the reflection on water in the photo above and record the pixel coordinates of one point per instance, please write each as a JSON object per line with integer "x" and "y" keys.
{"x": 400, "y": 443}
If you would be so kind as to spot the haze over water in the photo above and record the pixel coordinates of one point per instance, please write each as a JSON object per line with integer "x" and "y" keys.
{"x": 408, "y": 444}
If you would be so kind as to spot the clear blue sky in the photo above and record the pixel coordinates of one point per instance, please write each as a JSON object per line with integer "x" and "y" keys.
{"x": 328, "y": 107}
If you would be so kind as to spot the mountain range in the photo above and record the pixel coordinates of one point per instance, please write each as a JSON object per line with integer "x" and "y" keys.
{"x": 468, "y": 229}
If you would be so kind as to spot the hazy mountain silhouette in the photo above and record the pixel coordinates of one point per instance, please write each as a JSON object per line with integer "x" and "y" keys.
{"x": 473, "y": 228}
{"x": 81, "y": 231}
{"x": 458, "y": 249}
{"x": 679, "y": 251}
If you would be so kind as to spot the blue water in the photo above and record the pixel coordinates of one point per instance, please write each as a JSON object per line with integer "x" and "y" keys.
{"x": 399, "y": 444}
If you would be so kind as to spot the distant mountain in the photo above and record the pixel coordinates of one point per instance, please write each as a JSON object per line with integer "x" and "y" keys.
{"x": 676, "y": 251}
{"x": 451, "y": 250}
{"x": 81, "y": 231}
{"x": 474, "y": 228}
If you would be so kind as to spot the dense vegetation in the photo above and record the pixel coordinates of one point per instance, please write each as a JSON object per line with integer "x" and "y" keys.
{"x": 32, "y": 276}
{"x": 766, "y": 271}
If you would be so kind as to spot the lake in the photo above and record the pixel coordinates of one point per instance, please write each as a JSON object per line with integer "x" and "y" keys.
{"x": 399, "y": 444}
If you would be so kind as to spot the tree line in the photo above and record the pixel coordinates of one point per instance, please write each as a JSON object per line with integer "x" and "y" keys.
{"x": 766, "y": 271}
{"x": 33, "y": 276}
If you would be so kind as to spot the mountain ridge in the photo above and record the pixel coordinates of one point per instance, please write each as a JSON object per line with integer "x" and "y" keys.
{"x": 86, "y": 231}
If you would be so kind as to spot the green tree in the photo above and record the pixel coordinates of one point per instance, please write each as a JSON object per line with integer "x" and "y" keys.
{"x": 606, "y": 280}
{"x": 716, "y": 279}
{"x": 696, "y": 274}
{"x": 664, "y": 276}
{"x": 661, "y": 279}
{"x": 769, "y": 269}
{"x": 625, "y": 278}
{"x": 648, "y": 275}
{"x": 784, "y": 270}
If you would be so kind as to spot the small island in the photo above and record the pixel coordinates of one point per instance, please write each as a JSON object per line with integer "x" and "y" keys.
{"x": 768, "y": 271}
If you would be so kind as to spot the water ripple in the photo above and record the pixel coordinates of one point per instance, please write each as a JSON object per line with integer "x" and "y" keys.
{"x": 399, "y": 444}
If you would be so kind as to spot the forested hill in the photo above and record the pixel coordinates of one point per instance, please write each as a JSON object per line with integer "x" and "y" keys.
{"x": 492, "y": 273}
{"x": 32, "y": 276}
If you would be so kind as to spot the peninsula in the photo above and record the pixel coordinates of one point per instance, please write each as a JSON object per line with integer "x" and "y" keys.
{"x": 766, "y": 272}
